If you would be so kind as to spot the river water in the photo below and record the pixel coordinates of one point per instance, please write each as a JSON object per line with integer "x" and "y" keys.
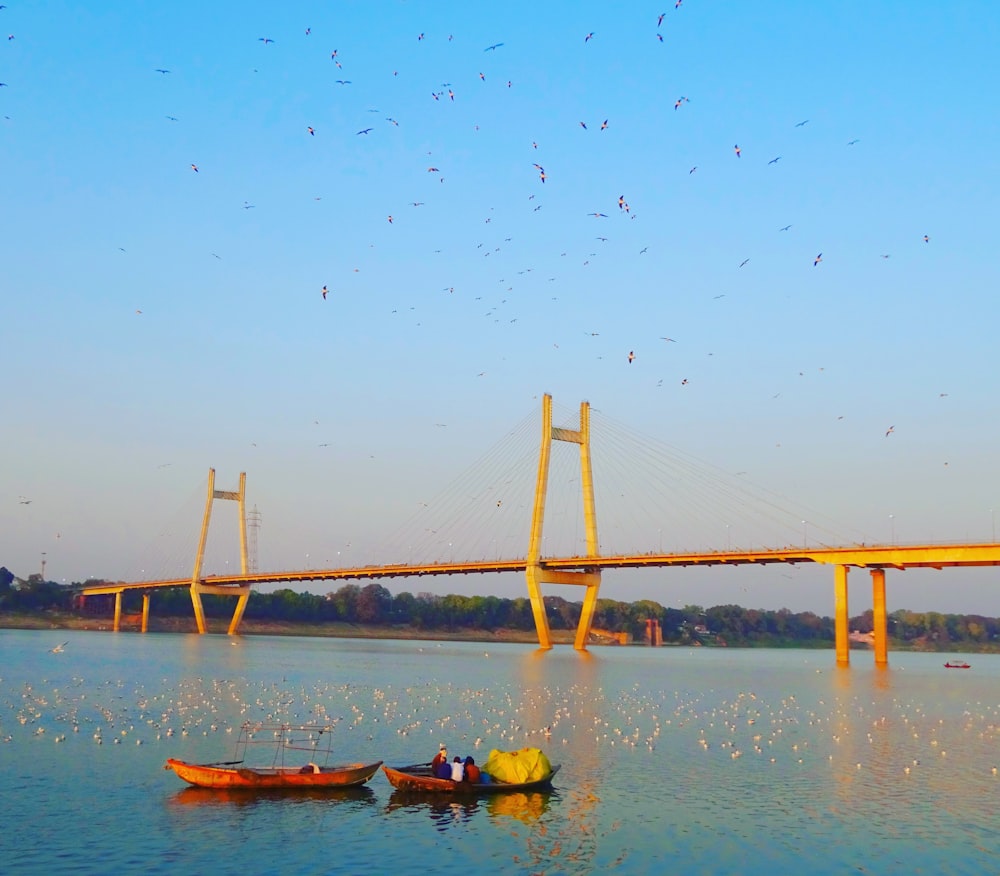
{"x": 706, "y": 761}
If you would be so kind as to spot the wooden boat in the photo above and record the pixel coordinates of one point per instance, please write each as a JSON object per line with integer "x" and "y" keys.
{"x": 285, "y": 740}
{"x": 957, "y": 664}
{"x": 420, "y": 779}
{"x": 336, "y": 777}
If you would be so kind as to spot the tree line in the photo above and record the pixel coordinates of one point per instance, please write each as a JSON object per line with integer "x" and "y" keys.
{"x": 373, "y": 604}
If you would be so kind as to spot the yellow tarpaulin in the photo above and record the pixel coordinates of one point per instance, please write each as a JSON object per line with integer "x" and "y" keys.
{"x": 526, "y": 765}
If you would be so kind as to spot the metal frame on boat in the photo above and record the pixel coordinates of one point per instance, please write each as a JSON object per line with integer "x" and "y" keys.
{"x": 317, "y": 772}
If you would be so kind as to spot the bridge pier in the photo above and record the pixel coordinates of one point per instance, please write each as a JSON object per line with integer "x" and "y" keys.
{"x": 118, "y": 611}
{"x": 535, "y": 573}
{"x": 197, "y": 587}
{"x": 841, "y": 633}
{"x": 879, "y": 618}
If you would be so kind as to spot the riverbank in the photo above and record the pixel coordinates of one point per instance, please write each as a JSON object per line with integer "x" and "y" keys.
{"x": 55, "y": 620}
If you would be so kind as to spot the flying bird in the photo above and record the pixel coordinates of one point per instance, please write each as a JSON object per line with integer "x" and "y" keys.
{"x": 737, "y": 149}
{"x": 775, "y": 160}
{"x": 588, "y": 37}
{"x": 631, "y": 356}
{"x": 852, "y": 142}
{"x": 583, "y": 125}
{"x": 161, "y": 70}
{"x": 390, "y": 220}
{"x": 926, "y": 239}
{"x": 58, "y": 648}
{"x": 659, "y": 20}
{"x": 889, "y": 431}
{"x": 324, "y": 292}
{"x": 312, "y": 133}
{"x": 604, "y": 125}
{"x": 492, "y": 48}
{"x": 598, "y": 215}
{"x": 264, "y": 40}
{"x": 194, "y": 167}
{"x": 785, "y": 228}
{"x": 365, "y": 131}
{"x": 800, "y": 124}
{"x": 817, "y": 260}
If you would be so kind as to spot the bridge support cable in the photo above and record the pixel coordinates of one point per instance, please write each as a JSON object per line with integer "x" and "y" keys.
{"x": 197, "y": 585}
{"x": 535, "y": 572}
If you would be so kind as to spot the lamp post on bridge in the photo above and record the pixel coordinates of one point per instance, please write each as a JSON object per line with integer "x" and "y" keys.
{"x": 892, "y": 529}
{"x": 805, "y": 533}
{"x": 993, "y": 526}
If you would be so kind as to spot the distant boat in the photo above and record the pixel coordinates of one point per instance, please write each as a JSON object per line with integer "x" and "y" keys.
{"x": 957, "y": 664}
{"x": 315, "y": 774}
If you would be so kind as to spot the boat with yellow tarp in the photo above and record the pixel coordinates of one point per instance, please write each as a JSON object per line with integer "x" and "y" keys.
{"x": 504, "y": 772}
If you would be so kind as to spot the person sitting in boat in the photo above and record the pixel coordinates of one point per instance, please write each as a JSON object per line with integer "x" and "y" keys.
{"x": 439, "y": 758}
{"x": 472, "y": 773}
{"x": 457, "y": 769}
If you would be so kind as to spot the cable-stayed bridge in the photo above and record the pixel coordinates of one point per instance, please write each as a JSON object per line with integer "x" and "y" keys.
{"x": 557, "y": 529}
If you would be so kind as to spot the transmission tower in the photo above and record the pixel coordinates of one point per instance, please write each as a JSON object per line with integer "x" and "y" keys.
{"x": 253, "y": 527}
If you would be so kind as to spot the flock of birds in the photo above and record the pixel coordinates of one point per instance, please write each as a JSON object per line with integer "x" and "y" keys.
{"x": 541, "y": 175}
{"x": 574, "y": 721}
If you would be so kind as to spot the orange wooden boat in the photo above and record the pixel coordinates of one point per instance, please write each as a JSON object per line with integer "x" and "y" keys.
{"x": 335, "y": 777}
{"x": 420, "y": 779}
{"x": 289, "y": 769}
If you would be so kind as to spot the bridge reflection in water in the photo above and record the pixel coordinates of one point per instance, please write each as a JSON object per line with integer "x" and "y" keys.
{"x": 583, "y": 570}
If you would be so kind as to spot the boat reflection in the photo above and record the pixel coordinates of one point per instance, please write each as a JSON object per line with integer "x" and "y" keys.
{"x": 192, "y": 796}
{"x": 444, "y": 811}
{"x": 447, "y": 811}
{"x": 526, "y": 807}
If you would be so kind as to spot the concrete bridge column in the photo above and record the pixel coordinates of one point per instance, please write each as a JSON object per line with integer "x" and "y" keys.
{"x": 145, "y": 612}
{"x": 118, "y": 611}
{"x": 843, "y": 644}
{"x": 879, "y": 618}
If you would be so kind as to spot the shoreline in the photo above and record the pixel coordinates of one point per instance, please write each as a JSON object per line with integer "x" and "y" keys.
{"x": 56, "y": 620}
{"x": 331, "y": 630}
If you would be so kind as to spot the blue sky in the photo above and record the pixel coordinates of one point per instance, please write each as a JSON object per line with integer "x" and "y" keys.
{"x": 158, "y": 320}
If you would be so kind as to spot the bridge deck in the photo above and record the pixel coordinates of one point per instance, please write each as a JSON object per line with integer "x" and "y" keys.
{"x": 861, "y": 556}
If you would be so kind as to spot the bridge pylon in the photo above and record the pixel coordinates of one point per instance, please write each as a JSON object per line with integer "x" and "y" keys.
{"x": 198, "y": 587}
{"x": 535, "y": 571}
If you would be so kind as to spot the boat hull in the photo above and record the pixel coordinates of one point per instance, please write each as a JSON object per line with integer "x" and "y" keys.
{"x": 419, "y": 780}
{"x": 273, "y": 778}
